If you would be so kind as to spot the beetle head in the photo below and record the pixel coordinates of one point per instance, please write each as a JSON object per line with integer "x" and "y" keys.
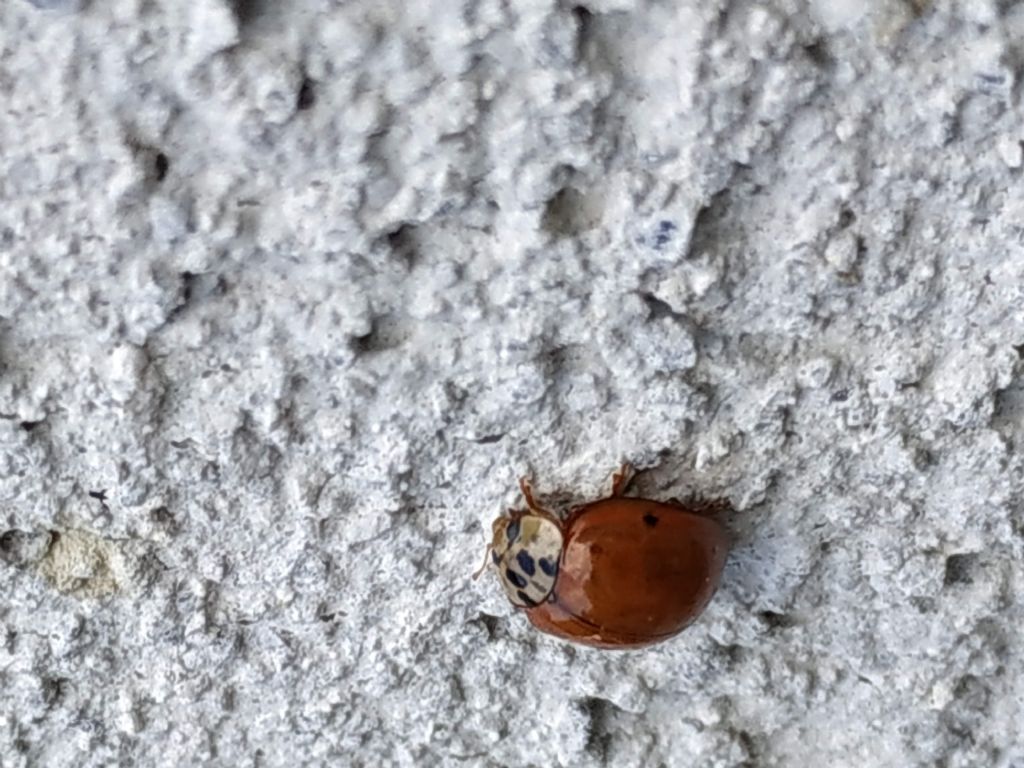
{"x": 526, "y": 549}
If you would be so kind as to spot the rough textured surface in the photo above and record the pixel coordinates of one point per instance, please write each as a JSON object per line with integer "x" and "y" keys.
{"x": 291, "y": 293}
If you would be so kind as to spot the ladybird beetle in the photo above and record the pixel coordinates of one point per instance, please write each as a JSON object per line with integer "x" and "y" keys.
{"x": 615, "y": 573}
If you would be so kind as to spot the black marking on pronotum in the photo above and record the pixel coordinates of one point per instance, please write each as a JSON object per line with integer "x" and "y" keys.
{"x": 527, "y": 600}
{"x": 650, "y": 520}
{"x": 512, "y": 531}
{"x": 526, "y": 562}
{"x": 515, "y": 578}
{"x": 548, "y": 566}
{"x": 495, "y": 557}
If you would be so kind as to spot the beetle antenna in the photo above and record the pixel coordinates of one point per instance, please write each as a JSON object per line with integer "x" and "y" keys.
{"x": 531, "y": 503}
{"x": 484, "y": 566}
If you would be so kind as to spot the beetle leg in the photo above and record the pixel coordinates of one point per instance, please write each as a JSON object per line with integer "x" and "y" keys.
{"x": 524, "y": 486}
{"x": 702, "y": 506}
{"x": 483, "y": 567}
{"x": 622, "y": 478}
{"x": 713, "y": 507}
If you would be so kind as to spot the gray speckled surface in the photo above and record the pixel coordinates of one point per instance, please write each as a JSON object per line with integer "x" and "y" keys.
{"x": 292, "y": 292}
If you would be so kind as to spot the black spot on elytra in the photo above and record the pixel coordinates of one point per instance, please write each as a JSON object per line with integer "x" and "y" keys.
{"x": 650, "y": 520}
{"x": 548, "y": 566}
{"x": 526, "y": 562}
{"x": 515, "y": 578}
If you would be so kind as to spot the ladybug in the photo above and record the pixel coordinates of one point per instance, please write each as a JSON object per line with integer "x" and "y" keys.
{"x": 615, "y": 573}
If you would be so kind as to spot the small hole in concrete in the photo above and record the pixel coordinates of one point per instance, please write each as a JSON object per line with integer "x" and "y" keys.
{"x": 160, "y": 166}
{"x": 960, "y": 569}
{"x": 306, "y": 98}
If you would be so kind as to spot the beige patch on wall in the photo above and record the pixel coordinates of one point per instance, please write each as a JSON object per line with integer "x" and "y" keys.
{"x": 85, "y": 565}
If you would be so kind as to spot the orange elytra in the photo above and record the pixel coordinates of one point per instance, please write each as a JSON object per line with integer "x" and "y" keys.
{"x": 614, "y": 573}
